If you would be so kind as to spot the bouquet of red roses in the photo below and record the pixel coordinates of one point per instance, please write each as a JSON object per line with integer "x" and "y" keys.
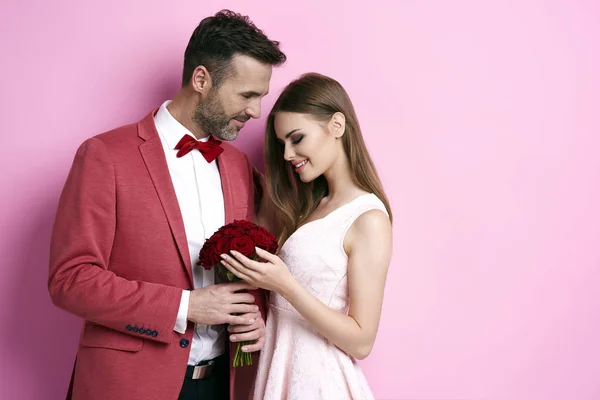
{"x": 242, "y": 236}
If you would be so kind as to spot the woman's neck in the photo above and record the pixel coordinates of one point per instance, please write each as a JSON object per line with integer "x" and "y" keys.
{"x": 340, "y": 182}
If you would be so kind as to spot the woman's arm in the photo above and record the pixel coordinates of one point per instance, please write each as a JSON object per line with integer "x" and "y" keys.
{"x": 368, "y": 244}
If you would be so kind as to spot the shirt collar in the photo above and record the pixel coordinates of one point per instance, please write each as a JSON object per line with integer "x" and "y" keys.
{"x": 171, "y": 129}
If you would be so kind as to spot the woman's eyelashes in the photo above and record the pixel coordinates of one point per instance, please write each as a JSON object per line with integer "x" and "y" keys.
{"x": 297, "y": 139}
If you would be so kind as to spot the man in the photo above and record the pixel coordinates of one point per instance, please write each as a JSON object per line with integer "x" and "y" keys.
{"x": 137, "y": 206}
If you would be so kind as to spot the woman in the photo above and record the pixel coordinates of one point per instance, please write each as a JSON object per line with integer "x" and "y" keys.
{"x": 336, "y": 242}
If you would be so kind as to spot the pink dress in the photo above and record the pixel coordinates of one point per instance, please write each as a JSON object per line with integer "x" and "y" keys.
{"x": 297, "y": 363}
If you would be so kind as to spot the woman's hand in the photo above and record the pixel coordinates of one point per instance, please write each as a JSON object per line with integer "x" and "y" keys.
{"x": 272, "y": 274}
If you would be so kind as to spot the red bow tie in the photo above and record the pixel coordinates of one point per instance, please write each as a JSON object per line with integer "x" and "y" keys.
{"x": 209, "y": 149}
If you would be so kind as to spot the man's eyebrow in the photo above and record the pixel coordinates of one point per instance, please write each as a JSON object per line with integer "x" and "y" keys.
{"x": 254, "y": 94}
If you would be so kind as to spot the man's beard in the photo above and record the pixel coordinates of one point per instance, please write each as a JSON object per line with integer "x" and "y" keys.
{"x": 211, "y": 118}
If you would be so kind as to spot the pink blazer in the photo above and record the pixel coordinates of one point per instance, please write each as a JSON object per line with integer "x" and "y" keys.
{"x": 119, "y": 260}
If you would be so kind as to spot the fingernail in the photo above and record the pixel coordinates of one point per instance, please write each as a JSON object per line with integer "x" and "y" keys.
{"x": 257, "y": 248}
{"x": 233, "y": 338}
{"x": 244, "y": 349}
{"x": 252, "y": 321}
{"x": 233, "y": 252}
{"x": 224, "y": 256}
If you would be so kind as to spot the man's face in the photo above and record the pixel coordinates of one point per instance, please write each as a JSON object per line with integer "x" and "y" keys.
{"x": 226, "y": 109}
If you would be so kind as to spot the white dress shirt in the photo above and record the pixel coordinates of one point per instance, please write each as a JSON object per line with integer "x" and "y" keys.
{"x": 198, "y": 188}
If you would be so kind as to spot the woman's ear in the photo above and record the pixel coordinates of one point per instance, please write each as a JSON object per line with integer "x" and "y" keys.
{"x": 337, "y": 125}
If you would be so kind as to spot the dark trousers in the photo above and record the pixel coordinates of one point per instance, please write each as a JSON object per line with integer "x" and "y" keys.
{"x": 215, "y": 387}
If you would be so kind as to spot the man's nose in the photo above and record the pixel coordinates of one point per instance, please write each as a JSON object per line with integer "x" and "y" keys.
{"x": 254, "y": 109}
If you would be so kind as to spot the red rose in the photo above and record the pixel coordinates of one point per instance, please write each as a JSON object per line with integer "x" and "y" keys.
{"x": 222, "y": 244}
{"x": 272, "y": 247}
{"x": 227, "y": 230}
{"x": 209, "y": 257}
{"x": 244, "y": 245}
{"x": 257, "y": 236}
{"x": 269, "y": 243}
{"x": 263, "y": 239}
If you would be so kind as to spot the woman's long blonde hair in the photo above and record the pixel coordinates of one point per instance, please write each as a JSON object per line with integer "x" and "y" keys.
{"x": 320, "y": 97}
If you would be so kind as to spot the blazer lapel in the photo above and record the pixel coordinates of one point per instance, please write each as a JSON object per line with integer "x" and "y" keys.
{"x": 154, "y": 157}
{"x": 224, "y": 163}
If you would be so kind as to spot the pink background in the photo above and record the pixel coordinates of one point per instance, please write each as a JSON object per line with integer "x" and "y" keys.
{"x": 483, "y": 119}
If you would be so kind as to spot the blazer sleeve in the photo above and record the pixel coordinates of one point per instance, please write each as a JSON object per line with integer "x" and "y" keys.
{"x": 80, "y": 280}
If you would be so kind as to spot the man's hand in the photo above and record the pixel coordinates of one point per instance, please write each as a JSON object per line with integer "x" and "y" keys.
{"x": 252, "y": 332}
{"x": 218, "y": 304}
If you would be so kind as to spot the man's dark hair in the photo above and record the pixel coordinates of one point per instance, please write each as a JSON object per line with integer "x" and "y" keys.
{"x": 218, "y": 38}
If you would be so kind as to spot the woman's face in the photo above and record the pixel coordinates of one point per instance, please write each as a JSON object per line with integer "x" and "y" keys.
{"x": 311, "y": 146}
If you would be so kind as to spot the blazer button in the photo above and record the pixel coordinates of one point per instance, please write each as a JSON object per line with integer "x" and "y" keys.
{"x": 154, "y": 333}
{"x": 148, "y": 332}
{"x": 135, "y": 329}
{"x": 184, "y": 343}
{"x": 142, "y": 331}
{"x": 129, "y": 327}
